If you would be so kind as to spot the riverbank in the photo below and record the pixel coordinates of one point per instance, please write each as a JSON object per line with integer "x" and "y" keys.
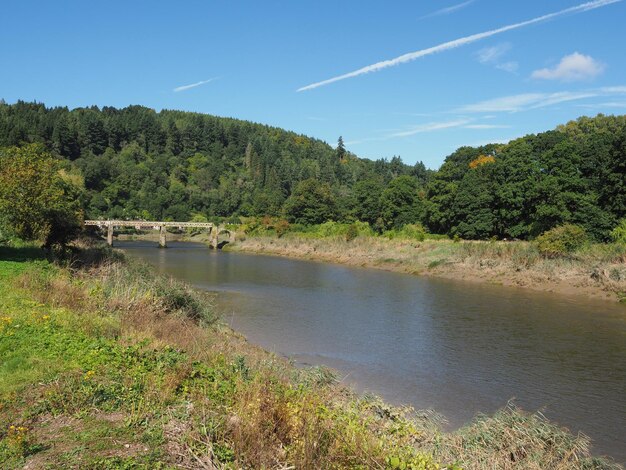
{"x": 599, "y": 271}
{"x": 105, "y": 365}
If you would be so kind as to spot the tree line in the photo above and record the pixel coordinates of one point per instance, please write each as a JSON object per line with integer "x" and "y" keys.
{"x": 138, "y": 163}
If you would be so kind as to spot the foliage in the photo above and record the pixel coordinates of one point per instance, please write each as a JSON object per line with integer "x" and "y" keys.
{"x": 408, "y": 232}
{"x": 618, "y": 234}
{"x": 312, "y": 202}
{"x": 171, "y": 165}
{"x": 573, "y": 174}
{"x": 400, "y": 202}
{"x": 38, "y": 201}
{"x": 482, "y": 160}
{"x": 561, "y": 240}
{"x": 138, "y": 163}
{"x": 352, "y": 232}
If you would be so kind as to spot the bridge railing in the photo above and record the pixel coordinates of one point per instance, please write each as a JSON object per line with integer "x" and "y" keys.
{"x": 146, "y": 224}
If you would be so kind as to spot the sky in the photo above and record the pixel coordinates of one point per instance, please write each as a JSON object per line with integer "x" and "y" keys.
{"x": 416, "y": 78}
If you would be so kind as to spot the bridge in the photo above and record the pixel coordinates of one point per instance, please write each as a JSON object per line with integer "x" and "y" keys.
{"x": 214, "y": 230}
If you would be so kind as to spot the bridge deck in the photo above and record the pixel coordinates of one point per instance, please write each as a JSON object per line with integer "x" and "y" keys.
{"x": 146, "y": 224}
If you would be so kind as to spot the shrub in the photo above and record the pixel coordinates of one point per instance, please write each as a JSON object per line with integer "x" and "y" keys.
{"x": 332, "y": 229}
{"x": 408, "y": 232}
{"x": 281, "y": 227}
{"x": 618, "y": 234}
{"x": 352, "y": 233}
{"x": 413, "y": 232}
{"x": 561, "y": 240}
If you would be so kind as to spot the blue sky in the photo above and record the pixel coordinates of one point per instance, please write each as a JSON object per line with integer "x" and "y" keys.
{"x": 249, "y": 59}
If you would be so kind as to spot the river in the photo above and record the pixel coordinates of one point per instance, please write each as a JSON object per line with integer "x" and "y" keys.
{"x": 457, "y": 348}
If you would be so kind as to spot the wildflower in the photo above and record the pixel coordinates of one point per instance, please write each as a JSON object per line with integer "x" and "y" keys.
{"x": 89, "y": 374}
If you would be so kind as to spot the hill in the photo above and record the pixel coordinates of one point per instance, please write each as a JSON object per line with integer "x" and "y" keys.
{"x": 139, "y": 163}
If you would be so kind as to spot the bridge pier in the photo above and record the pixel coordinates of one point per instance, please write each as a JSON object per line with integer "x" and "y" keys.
{"x": 110, "y": 235}
{"x": 213, "y": 238}
{"x": 162, "y": 237}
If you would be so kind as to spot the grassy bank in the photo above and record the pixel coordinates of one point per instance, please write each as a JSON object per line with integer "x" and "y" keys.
{"x": 597, "y": 270}
{"x": 105, "y": 365}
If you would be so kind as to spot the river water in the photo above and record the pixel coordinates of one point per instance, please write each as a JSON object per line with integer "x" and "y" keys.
{"x": 457, "y": 348}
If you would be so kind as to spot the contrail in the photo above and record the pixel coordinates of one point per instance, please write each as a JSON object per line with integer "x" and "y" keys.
{"x": 458, "y": 43}
{"x": 448, "y": 10}
{"x": 193, "y": 85}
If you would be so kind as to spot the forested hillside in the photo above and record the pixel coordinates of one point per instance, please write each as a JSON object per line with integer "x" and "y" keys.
{"x": 137, "y": 163}
{"x": 140, "y": 163}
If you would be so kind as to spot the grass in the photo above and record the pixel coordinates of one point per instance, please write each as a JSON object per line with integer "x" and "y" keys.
{"x": 105, "y": 365}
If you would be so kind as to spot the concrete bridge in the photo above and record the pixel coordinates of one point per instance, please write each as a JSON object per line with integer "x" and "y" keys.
{"x": 214, "y": 230}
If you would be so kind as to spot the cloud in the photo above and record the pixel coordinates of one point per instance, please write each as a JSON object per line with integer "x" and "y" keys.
{"x": 614, "y": 90}
{"x": 431, "y": 126}
{"x": 448, "y": 10}
{"x": 411, "y": 56}
{"x": 492, "y": 55}
{"x": 193, "y": 85}
{"x": 526, "y": 101}
{"x": 610, "y": 104}
{"x": 486, "y": 126}
{"x": 489, "y": 55}
{"x": 573, "y": 67}
{"x": 510, "y": 67}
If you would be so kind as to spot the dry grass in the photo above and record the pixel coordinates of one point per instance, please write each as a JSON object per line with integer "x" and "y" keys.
{"x": 597, "y": 270}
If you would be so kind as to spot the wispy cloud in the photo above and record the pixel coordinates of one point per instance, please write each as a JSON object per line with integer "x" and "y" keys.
{"x": 448, "y": 10}
{"x": 411, "y": 56}
{"x": 486, "y": 126}
{"x": 526, "y": 101}
{"x": 573, "y": 67}
{"x": 460, "y": 122}
{"x": 492, "y": 54}
{"x": 510, "y": 67}
{"x": 193, "y": 85}
{"x": 430, "y": 127}
{"x": 610, "y": 104}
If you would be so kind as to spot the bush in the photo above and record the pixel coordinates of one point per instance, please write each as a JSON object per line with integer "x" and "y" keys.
{"x": 618, "y": 234}
{"x": 408, "y": 232}
{"x": 332, "y": 229}
{"x": 38, "y": 199}
{"x": 561, "y": 240}
{"x": 413, "y": 232}
{"x": 281, "y": 227}
{"x": 352, "y": 233}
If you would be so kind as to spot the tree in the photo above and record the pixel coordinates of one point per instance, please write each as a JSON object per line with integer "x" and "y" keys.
{"x": 400, "y": 203}
{"x": 312, "y": 202}
{"x": 341, "y": 149}
{"x": 37, "y": 201}
{"x": 366, "y": 200}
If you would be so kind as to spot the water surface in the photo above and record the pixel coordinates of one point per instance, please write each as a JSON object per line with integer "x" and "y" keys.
{"x": 458, "y": 348}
